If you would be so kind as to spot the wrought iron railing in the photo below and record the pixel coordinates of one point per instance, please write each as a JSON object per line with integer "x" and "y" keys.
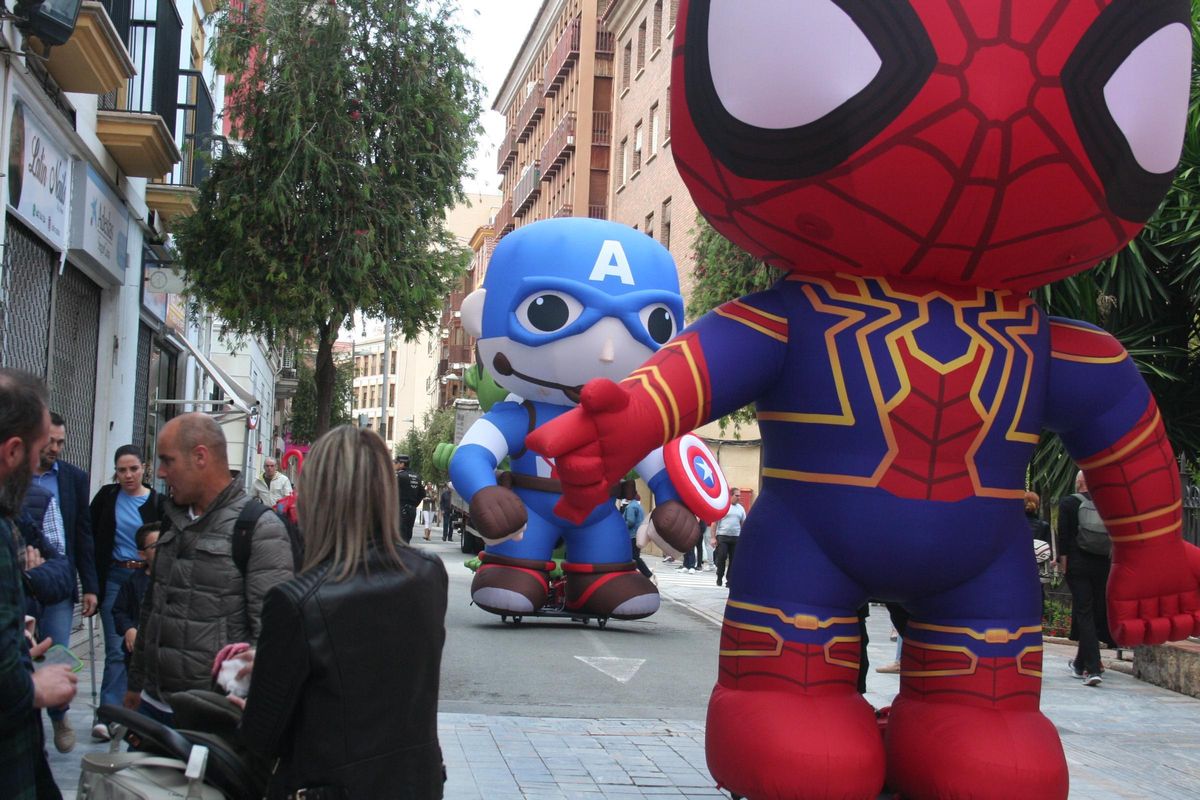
{"x": 194, "y": 119}
{"x": 527, "y": 188}
{"x": 561, "y": 142}
{"x": 531, "y": 112}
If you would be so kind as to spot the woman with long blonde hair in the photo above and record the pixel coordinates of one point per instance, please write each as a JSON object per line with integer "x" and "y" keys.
{"x": 344, "y": 685}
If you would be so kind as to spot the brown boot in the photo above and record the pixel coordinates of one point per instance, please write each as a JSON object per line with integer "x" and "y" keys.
{"x": 610, "y": 590}
{"x": 504, "y": 585}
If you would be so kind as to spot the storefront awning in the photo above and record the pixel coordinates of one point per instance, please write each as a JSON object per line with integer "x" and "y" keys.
{"x": 237, "y": 395}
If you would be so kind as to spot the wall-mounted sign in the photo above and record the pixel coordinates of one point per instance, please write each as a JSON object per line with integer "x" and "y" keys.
{"x": 39, "y": 176}
{"x": 99, "y": 224}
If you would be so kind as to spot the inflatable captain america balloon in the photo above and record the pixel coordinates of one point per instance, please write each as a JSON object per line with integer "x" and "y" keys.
{"x": 564, "y": 301}
{"x": 914, "y": 167}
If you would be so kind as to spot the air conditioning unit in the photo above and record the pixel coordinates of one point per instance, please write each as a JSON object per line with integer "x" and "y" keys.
{"x": 570, "y": 140}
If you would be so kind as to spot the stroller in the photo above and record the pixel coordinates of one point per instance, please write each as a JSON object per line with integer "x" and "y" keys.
{"x": 200, "y": 758}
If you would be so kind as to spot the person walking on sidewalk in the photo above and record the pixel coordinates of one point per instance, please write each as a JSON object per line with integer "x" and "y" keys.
{"x": 24, "y": 768}
{"x": 272, "y": 486}
{"x": 118, "y": 510}
{"x": 71, "y": 488}
{"x": 447, "y": 514}
{"x": 1085, "y": 547}
{"x": 725, "y": 534}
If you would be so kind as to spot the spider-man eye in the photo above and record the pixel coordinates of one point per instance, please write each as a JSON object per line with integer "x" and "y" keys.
{"x": 1127, "y": 87}
{"x": 795, "y": 88}
{"x": 806, "y": 69}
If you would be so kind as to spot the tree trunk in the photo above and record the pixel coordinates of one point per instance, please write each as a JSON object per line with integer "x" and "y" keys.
{"x": 325, "y": 377}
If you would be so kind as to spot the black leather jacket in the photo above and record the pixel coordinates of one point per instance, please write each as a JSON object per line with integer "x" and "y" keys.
{"x": 345, "y": 683}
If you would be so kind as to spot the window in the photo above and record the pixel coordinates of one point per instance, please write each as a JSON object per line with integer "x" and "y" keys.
{"x": 667, "y": 116}
{"x": 627, "y": 65}
{"x": 641, "y": 41}
{"x": 656, "y": 31}
{"x": 637, "y": 148}
{"x": 666, "y": 223}
{"x": 624, "y": 166}
{"x": 654, "y": 129}
{"x": 650, "y": 224}
{"x": 674, "y": 15}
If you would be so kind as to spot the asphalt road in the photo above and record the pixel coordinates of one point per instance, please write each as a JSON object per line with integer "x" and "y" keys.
{"x": 660, "y": 667}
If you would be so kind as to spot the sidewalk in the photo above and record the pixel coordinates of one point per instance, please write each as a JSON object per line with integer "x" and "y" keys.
{"x": 1125, "y": 739}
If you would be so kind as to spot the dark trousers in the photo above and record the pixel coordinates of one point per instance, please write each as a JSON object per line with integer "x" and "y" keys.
{"x": 726, "y": 545}
{"x": 447, "y": 531}
{"x": 700, "y": 551}
{"x": 1087, "y": 578}
{"x": 408, "y": 518}
{"x": 637, "y": 559}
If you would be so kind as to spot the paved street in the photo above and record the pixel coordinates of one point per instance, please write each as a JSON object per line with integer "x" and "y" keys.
{"x": 554, "y": 709}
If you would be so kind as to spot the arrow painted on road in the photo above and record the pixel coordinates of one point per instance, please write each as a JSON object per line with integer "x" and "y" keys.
{"x": 619, "y": 669}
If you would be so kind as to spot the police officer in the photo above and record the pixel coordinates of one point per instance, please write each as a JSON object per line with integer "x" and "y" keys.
{"x": 412, "y": 492}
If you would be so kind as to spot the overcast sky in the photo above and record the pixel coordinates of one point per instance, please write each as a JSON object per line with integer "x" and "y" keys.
{"x": 495, "y": 31}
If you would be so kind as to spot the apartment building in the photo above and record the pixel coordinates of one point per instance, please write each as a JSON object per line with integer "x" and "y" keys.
{"x": 458, "y": 348}
{"x": 647, "y": 191}
{"x": 108, "y": 122}
{"x": 557, "y": 102}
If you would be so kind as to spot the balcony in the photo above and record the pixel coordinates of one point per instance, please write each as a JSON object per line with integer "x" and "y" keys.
{"x": 606, "y": 41}
{"x": 140, "y": 143}
{"x": 287, "y": 382}
{"x": 94, "y": 60}
{"x": 531, "y": 112}
{"x": 507, "y": 153}
{"x": 135, "y": 123}
{"x": 597, "y": 211}
{"x": 528, "y": 188}
{"x": 565, "y": 54}
{"x": 504, "y": 218}
{"x": 177, "y": 196}
{"x": 602, "y": 128}
{"x": 558, "y": 146}
{"x": 565, "y": 210}
{"x": 458, "y": 356}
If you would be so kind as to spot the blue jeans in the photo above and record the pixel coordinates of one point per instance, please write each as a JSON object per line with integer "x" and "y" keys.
{"x": 112, "y": 686}
{"x": 56, "y": 624}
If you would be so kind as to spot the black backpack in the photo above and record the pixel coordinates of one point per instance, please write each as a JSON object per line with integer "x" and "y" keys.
{"x": 1093, "y": 534}
{"x": 243, "y": 534}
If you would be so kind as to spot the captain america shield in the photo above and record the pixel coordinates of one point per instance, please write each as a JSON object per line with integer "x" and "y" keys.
{"x": 697, "y": 477}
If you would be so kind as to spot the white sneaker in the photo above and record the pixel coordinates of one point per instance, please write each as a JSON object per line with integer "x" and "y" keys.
{"x": 691, "y": 571}
{"x": 101, "y": 733}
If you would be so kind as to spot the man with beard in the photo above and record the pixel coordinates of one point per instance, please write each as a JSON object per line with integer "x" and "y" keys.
{"x": 24, "y": 770}
{"x": 70, "y": 487}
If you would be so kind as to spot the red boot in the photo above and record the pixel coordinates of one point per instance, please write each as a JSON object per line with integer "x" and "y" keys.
{"x": 966, "y": 725}
{"x": 504, "y": 585}
{"x": 610, "y": 590}
{"x": 786, "y": 722}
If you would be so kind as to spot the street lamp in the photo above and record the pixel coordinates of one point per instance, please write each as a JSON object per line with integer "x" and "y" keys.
{"x": 52, "y": 21}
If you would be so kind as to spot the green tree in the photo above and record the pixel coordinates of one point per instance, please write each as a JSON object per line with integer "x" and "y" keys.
{"x": 358, "y": 118}
{"x": 1147, "y": 296}
{"x": 437, "y": 426}
{"x": 302, "y": 427}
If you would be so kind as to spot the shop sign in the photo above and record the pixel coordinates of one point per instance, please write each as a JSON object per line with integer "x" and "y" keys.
{"x": 99, "y": 224}
{"x": 39, "y": 176}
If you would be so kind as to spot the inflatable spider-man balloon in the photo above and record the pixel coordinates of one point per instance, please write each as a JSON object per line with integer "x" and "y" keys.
{"x": 915, "y": 167}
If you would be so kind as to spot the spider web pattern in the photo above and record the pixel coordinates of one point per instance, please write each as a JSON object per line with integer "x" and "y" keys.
{"x": 961, "y": 188}
{"x": 798, "y": 666}
{"x": 1007, "y": 683}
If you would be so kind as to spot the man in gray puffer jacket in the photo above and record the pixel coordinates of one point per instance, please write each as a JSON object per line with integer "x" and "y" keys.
{"x": 198, "y": 600}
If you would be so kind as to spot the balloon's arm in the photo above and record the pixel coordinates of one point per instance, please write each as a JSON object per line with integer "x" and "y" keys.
{"x": 486, "y": 443}
{"x": 726, "y": 359}
{"x": 1112, "y": 427}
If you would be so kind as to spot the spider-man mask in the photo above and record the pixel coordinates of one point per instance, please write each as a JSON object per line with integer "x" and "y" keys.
{"x": 996, "y": 143}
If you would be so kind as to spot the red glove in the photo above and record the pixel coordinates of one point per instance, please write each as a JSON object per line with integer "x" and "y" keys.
{"x": 593, "y": 446}
{"x": 1154, "y": 592}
